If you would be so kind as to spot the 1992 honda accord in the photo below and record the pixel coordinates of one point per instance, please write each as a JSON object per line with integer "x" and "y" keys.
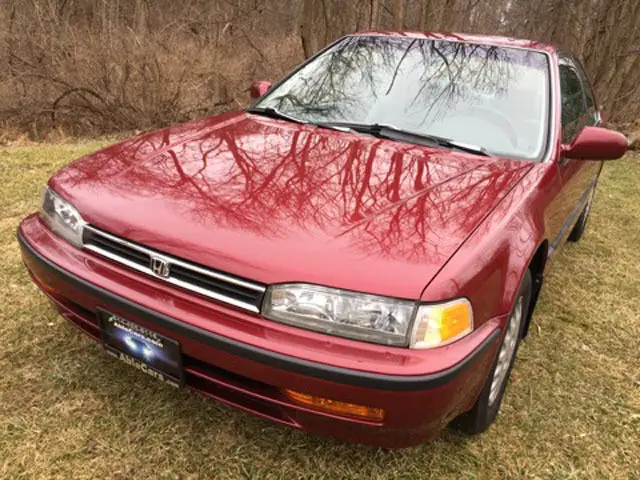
{"x": 357, "y": 254}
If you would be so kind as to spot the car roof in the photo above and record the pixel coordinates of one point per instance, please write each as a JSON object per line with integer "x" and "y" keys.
{"x": 467, "y": 38}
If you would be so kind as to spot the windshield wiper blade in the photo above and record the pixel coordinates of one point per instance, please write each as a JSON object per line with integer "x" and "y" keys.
{"x": 272, "y": 112}
{"x": 391, "y": 132}
{"x": 333, "y": 126}
{"x": 467, "y": 147}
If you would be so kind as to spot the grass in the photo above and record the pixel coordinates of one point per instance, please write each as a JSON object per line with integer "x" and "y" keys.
{"x": 572, "y": 409}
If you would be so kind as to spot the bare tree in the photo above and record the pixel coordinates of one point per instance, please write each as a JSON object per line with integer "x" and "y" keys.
{"x": 96, "y": 66}
{"x": 398, "y": 14}
{"x": 374, "y": 20}
{"x": 306, "y": 28}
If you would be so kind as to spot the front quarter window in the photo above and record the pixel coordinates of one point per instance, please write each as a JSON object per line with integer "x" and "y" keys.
{"x": 486, "y": 95}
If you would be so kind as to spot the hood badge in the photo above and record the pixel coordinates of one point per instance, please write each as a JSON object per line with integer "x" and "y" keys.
{"x": 159, "y": 266}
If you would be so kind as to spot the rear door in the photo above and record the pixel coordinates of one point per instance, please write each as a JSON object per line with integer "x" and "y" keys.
{"x": 577, "y": 176}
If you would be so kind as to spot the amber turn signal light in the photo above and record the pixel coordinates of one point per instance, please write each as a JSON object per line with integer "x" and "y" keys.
{"x": 334, "y": 406}
{"x": 43, "y": 284}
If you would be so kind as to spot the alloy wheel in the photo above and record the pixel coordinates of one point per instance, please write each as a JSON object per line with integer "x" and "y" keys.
{"x": 507, "y": 350}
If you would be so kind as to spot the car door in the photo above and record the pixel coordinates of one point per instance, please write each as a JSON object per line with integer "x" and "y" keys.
{"x": 577, "y": 177}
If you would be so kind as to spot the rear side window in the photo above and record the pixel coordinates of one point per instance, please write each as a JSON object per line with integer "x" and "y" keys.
{"x": 574, "y": 108}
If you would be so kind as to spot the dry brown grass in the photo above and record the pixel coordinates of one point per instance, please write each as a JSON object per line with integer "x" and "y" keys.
{"x": 572, "y": 409}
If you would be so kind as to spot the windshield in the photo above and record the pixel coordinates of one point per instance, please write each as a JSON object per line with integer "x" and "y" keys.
{"x": 492, "y": 97}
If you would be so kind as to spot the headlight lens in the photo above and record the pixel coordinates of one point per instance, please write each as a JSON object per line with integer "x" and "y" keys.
{"x": 62, "y": 217}
{"x": 339, "y": 312}
{"x": 370, "y": 318}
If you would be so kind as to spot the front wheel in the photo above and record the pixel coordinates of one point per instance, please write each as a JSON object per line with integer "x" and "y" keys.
{"x": 485, "y": 410}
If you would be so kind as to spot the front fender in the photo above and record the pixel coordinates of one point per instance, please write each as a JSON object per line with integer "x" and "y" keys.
{"x": 488, "y": 268}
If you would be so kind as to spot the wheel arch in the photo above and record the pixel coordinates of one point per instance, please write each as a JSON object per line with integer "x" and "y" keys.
{"x": 536, "y": 267}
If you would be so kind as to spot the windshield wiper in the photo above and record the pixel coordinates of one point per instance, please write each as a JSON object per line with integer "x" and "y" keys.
{"x": 274, "y": 113}
{"x": 379, "y": 130}
{"x": 465, "y": 147}
{"x": 391, "y": 132}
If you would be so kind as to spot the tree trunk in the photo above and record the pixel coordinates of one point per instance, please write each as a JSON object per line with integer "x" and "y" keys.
{"x": 374, "y": 20}
{"x": 424, "y": 12}
{"x": 398, "y": 14}
{"x": 306, "y": 28}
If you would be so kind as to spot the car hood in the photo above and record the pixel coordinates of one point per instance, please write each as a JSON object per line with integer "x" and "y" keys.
{"x": 275, "y": 201}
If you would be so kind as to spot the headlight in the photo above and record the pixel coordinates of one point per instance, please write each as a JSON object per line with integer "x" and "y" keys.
{"x": 339, "y": 312}
{"x": 370, "y": 318}
{"x": 62, "y": 217}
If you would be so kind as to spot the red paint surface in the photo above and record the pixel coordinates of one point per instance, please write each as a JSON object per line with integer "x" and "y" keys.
{"x": 259, "y": 88}
{"x": 594, "y": 143}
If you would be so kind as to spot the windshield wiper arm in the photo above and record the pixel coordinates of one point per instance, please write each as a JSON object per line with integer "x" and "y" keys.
{"x": 391, "y": 132}
{"x": 272, "y": 112}
{"x": 466, "y": 147}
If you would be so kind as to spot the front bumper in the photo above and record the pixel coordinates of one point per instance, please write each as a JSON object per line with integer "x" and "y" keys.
{"x": 250, "y": 376}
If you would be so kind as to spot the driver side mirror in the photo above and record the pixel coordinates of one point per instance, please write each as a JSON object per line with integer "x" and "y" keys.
{"x": 259, "y": 88}
{"x": 596, "y": 143}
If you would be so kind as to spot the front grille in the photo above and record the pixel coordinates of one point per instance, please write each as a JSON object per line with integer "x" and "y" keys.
{"x": 210, "y": 283}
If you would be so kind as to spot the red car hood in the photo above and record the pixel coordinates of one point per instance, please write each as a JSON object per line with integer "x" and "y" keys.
{"x": 275, "y": 201}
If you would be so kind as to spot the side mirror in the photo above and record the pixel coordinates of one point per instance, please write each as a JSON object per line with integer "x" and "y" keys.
{"x": 259, "y": 88}
{"x": 596, "y": 143}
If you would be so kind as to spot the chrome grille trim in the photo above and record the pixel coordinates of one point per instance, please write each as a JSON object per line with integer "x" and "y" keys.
{"x": 253, "y": 289}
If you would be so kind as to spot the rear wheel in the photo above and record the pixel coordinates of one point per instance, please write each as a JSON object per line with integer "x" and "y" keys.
{"x": 485, "y": 410}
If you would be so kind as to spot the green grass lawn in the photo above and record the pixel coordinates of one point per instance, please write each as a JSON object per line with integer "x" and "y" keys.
{"x": 572, "y": 409}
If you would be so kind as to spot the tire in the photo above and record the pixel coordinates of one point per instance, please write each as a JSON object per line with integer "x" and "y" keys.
{"x": 581, "y": 224}
{"x": 485, "y": 410}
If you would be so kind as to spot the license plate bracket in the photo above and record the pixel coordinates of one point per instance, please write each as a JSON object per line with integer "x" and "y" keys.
{"x": 154, "y": 354}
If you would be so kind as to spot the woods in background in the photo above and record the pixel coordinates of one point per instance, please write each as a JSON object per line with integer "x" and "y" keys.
{"x": 98, "y": 66}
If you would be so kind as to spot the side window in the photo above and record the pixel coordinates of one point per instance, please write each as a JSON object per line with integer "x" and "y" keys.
{"x": 574, "y": 109}
{"x": 593, "y": 117}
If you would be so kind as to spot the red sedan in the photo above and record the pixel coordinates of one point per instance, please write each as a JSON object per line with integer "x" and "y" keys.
{"x": 357, "y": 254}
